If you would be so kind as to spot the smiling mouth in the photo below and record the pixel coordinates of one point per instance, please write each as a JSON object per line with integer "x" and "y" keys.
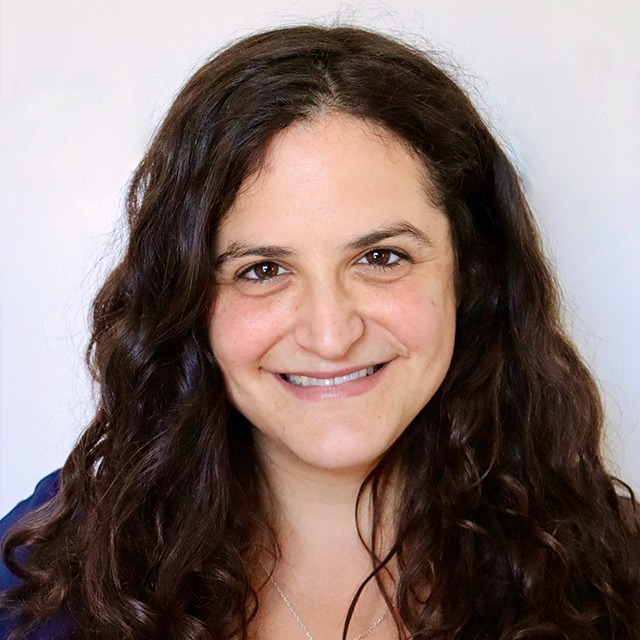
{"x": 307, "y": 381}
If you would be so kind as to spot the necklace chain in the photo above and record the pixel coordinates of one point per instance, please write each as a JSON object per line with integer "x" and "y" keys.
{"x": 298, "y": 619}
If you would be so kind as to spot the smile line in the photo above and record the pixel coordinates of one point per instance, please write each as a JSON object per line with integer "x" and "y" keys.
{"x": 307, "y": 381}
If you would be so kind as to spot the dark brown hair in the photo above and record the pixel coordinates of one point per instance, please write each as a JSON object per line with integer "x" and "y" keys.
{"x": 509, "y": 526}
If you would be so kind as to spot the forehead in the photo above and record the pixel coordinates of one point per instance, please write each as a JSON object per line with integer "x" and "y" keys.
{"x": 329, "y": 144}
{"x": 331, "y": 170}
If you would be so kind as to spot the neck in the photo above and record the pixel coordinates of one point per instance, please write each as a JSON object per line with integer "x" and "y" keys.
{"x": 322, "y": 559}
{"x": 314, "y": 510}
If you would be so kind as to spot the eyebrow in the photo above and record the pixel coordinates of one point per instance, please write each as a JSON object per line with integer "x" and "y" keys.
{"x": 388, "y": 231}
{"x": 239, "y": 250}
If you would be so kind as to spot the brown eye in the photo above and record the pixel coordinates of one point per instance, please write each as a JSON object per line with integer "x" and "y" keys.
{"x": 381, "y": 258}
{"x": 263, "y": 271}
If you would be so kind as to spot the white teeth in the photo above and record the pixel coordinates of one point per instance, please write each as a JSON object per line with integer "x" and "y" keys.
{"x": 305, "y": 381}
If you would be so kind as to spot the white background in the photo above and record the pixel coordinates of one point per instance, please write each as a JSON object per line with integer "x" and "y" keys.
{"x": 83, "y": 83}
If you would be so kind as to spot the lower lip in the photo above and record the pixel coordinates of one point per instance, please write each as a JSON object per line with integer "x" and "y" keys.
{"x": 345, "y": 390}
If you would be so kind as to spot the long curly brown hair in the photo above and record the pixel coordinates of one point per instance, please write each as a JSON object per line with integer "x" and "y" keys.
{"x": 509, "y": 526}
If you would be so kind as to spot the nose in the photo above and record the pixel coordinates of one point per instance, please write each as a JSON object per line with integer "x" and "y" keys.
{"x": 329, "y": 321}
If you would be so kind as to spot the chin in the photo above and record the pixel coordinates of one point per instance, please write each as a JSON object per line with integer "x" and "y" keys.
{"x": 345, "y": 458}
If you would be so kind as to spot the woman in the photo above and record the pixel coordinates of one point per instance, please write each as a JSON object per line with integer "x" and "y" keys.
{"x": 335, "y": 396}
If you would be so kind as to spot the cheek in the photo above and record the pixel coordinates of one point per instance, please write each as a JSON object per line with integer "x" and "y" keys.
{"x": 421, "y": 317}
{"x": 242, "y": 329}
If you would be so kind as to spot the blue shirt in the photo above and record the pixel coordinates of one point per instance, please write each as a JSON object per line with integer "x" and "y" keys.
{"x": 60, "y": 625}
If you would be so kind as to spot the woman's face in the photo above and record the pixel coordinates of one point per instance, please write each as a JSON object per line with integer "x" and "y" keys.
{"x": 334, "y": 320}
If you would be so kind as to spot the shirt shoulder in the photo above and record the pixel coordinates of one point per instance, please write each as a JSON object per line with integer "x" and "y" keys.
{"x": 44, "y": 491}
{"x": 61, "y": 625}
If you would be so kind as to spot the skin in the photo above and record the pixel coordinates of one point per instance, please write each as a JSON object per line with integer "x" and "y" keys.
{"x": 333, "y": 259}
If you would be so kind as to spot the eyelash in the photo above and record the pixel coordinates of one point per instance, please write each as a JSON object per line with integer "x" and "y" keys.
{"x": 399, "y": 256}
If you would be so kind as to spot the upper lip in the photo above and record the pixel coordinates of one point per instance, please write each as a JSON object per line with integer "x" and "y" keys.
{"x": 325, "y": 375}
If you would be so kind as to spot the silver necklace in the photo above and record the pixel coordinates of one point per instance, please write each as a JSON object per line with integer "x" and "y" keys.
{"x": 302, "y": 625}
